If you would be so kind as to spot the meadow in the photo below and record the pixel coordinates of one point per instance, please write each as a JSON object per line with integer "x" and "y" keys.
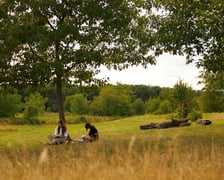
{"x": 122, "y": 152}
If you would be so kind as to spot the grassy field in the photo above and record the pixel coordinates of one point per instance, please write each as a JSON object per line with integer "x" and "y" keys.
{"x": 123, "y": 151}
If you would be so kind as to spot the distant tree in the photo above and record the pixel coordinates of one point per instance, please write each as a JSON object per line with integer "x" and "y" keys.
{"x": 10, "y": 104}
{"x": 152, "y": 105}
{"x": 34, "y": 105}
{"x": 65, "y": 41}
{"x": 145, "y": 92}
{"x": 165, "y": 107}
{"x": 90, "y": 92}
{"x": 195, "y": 115}
{"x": 77, "y": 104}
{"x": 183, "y": 96}
{"x": 166, "y": 93}
{"x": 112, "y": 101}
{"x": 139, "y": 106}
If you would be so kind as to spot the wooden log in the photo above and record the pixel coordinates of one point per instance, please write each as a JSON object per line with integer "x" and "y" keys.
{"x": 178, "y": 122}
{"x": 168, "y": 124}
{"x": 204, "y": 122}
{"x": 149, "y": 126}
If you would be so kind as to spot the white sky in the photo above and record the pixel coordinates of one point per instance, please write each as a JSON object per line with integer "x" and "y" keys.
{"x": 166, "y": 73}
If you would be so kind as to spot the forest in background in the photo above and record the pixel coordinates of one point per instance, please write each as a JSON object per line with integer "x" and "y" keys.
{"x": 110, "y": 100}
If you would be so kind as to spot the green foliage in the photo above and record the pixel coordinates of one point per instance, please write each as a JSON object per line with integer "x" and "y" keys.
{"x": 212, "y": 101}
{"x": 77, "y": 104}
{"x": 192, "y": 28}
{"x": 158, "y": 106}
{"x": 64, "y": 42}
{"x": 194, "y": 115}
{"x": 212, "y": 97}
{"x": 34, "y": 105}
{"x": 183, "y": 96}
{"x": 90, "y": 92}
{"x": 152, "y": 105}
{"x": 139, "y": 106}
{"x": 166, "y": 93}
{"x": 10, "y": 104}
{"x": 165, "y": 107}
{"x": 112, "y": 101}
{"x": 145, "y": 92}
{"x": 167, "y": 96}
{"x": 180, "y": 98}
{"x": 181, "y": 91}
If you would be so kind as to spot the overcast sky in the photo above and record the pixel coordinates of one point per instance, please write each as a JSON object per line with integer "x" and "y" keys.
{"x": 166, "y": 73}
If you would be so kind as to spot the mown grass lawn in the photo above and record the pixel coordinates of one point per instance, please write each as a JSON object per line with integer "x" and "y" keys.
{"x": 122, "y": 129}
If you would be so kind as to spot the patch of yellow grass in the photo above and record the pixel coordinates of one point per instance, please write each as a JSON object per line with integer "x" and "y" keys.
{"x": 114, "y": 161}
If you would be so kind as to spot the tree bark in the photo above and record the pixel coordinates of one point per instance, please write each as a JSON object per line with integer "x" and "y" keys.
{"x": 60, "y": 101}
{"x": 59, "y": 95}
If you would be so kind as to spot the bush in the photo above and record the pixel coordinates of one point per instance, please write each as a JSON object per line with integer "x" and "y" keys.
{"x": 194, "y": 115}
{"x": 152, "y": 105}
{"x": 34, "y": 106}
{"x": 77, "y": 104}
{"x": 139, "y": 106}
{"x": 10, "y": 104}
{"x": 112, "y": 101}
{"x": 164, "y": 107}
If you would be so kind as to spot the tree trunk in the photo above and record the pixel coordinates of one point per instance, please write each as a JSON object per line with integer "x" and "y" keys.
{"x": 59, "y": 96}
{"x": 60, "y": 101}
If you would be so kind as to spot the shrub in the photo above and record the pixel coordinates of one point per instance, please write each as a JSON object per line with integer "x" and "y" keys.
{"x": 34, "y": 105}
{"x": 164, "y": 107}
{"x": 152, "y": 105}
{"x": 139, "y": 106}
{"x": 194, "y": 115}
{"x": 10, "y": 104}
{"x": 77, "y": 104}
{"x": 112, "y": 101}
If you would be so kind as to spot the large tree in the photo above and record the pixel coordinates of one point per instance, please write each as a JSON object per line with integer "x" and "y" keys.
{"x": 66, "y": 41}
{"x": 195, "y": 28}
{"x": 192, "y": 28}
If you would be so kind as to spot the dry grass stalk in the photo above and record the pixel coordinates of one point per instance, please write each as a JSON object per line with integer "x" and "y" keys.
{"x": 99, "y": 161}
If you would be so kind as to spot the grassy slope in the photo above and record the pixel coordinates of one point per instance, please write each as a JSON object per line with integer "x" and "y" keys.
{"x": 123, "y": 152}
{"x": 125, "y": 129}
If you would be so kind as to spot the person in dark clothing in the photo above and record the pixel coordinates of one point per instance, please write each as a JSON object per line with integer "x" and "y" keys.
{"x": 93, "y": 134}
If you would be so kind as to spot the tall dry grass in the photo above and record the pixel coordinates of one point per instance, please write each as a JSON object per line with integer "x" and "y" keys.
{"x": 135, "y": 159}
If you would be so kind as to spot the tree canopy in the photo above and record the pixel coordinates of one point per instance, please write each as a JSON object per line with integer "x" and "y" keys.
{"x": 63, "y": 42}
{"x": 66, "y": 41}
{"x": 192, "y": 28}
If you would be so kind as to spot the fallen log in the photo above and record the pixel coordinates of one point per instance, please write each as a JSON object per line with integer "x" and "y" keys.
{"x": 204, "y": 122}
{"x": 168, "y": 124}
{"x": 149, "y": 126}
{"x": 179, "y": 122}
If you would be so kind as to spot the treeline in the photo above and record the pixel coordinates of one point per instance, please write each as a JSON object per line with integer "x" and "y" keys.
{"x": 111, "y": 100}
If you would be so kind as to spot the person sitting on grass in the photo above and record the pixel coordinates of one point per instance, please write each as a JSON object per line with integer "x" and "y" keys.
{"x": 93, "y": 134}
{"x": 60, "y": 136}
